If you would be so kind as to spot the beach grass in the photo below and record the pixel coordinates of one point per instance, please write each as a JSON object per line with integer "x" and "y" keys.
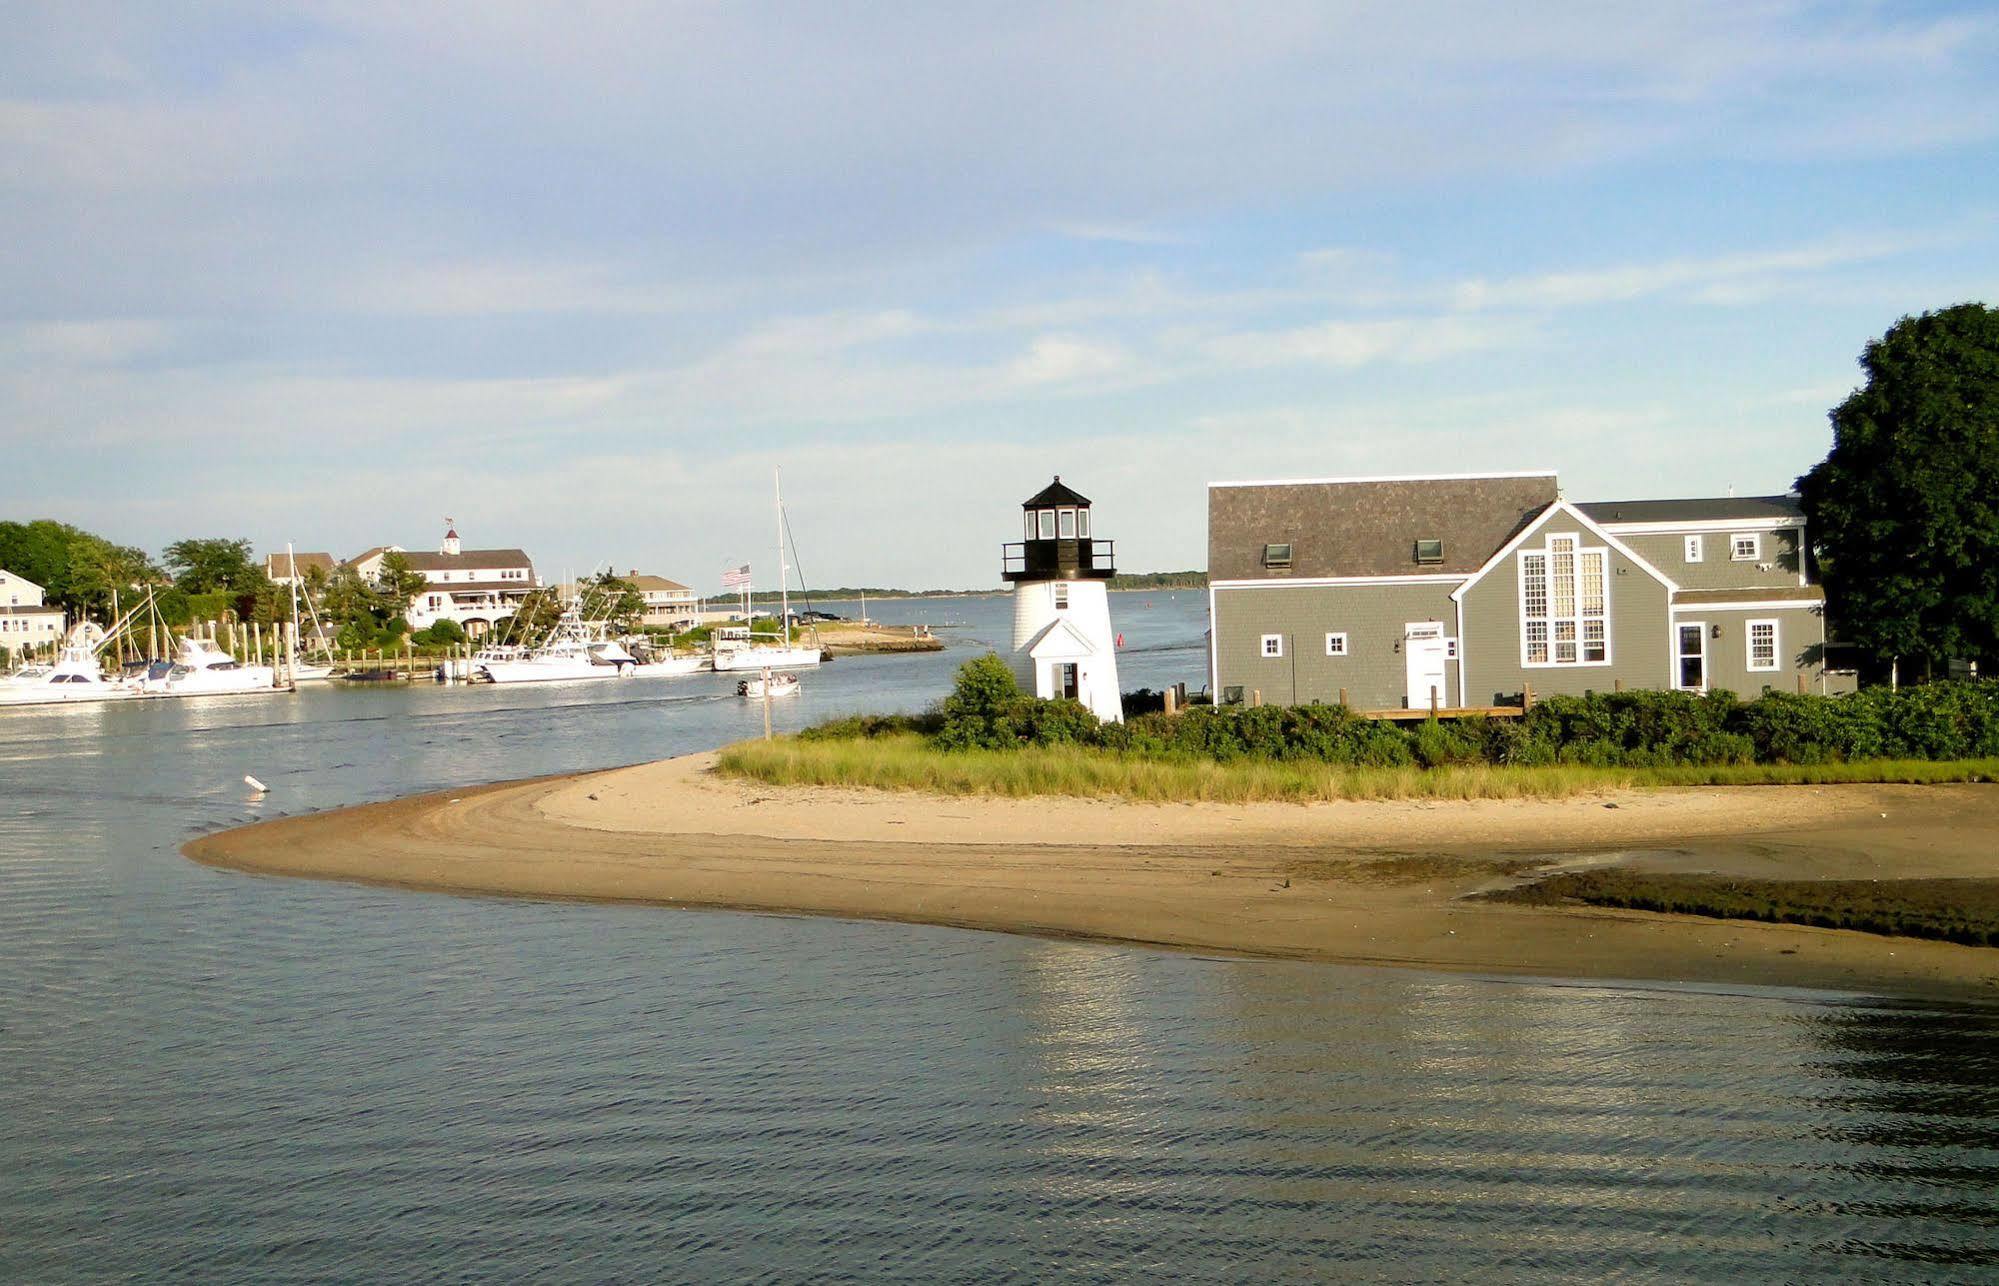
{"x": 906, "y": 761}
{"x": 1953, "y": 910}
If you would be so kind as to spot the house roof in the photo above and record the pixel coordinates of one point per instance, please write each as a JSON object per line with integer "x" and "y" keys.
{"x": 277, "y": 565}
{"x": 1763, "y": 508}
{"x": 1055, "y": 493}
{"x": 30, "y": 609}
{"x": 1752, "y": 594}
{"x": 643, "y": 583}
{"x": 368, "y": 553}
{"x": 1368, "y": 527}
{"x": 469, "y": 559}
{"x": 17, "y": 578}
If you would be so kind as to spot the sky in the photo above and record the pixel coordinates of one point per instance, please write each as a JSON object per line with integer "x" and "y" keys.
{"x": 581, "y": 276}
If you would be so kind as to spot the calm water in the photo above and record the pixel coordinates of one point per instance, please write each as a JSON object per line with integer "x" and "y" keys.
{"x": 208, "y": 1075}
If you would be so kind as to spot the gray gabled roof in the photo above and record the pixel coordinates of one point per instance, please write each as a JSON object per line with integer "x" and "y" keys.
{"x": 470, "y": 559}
{"x": 1720, "y": 508}
{"x": 1368, "y": 527}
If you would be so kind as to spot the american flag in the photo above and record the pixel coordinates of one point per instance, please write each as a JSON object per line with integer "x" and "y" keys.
{"x": 736, "y": 579}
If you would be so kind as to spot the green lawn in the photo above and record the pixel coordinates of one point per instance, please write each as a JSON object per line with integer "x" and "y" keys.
{"x": 907, "y": 762}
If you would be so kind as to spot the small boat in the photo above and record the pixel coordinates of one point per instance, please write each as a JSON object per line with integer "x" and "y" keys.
{"x": 768, "y": 685}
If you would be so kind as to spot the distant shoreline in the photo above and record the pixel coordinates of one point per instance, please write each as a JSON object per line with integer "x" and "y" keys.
{"x": 1361, "y": 883}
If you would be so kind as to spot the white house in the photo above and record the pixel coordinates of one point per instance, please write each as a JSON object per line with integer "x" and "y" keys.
{"x": 25, "y": 621}
{"x": 668, "y": 602}
{"x": 474, "y": 587}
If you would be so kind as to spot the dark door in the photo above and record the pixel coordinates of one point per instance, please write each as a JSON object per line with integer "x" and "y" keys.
{"x": 1065, "y": 680}
{"x": 1693, "y": 657}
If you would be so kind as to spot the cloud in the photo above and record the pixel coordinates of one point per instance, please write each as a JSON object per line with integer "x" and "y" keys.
{"x": 1056, "y": 359}
{"x": 1350, "y": 344}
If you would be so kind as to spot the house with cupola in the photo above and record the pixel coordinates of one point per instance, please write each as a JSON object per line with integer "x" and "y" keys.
{"x": 474, "y": 587}
{"x": 1473, "y": 590}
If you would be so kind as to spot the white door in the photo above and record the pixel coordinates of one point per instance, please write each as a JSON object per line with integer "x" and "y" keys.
{"x": 1423, "y": 649}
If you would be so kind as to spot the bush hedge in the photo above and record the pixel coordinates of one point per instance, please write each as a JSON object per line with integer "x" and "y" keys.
{"x": 1934, "y": 721}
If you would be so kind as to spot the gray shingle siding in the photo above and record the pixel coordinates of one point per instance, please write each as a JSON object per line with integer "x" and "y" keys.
{"x": 1494, "y": 672}
{"x": 1716, "y": 569}
{"x": 1373, "y": 617}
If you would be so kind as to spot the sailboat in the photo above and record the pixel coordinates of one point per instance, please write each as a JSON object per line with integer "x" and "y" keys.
{"x": 740, "y": 649}
{"x": 298, "y": 669}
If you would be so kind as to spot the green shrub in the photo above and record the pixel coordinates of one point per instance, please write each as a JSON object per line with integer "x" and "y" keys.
{"x": 980, "y": 712}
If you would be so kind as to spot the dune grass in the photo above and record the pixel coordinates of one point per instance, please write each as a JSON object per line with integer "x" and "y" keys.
{"x": 906, "y": 761}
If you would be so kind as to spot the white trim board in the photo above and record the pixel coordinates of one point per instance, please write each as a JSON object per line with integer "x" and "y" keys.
{"x": 1326, "y": 582}
{"x": 1759, "y": 605}
{"x": 1387, "y": 477}
{"x": 1694, "y": 525}
{"x": 1539, "y": 523}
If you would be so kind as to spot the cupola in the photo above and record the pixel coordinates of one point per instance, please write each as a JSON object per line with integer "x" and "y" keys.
{"x": 450, "y": 538}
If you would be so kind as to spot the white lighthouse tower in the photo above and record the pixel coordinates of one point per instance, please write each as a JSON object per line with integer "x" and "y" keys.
{"x": 1062, "y": 640}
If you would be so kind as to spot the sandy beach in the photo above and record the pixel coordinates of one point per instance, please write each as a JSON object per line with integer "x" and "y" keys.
{"x": 1383, "y": 883}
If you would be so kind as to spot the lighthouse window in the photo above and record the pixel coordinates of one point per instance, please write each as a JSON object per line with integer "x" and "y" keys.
{"x": 1028, "y": 518}
{"x": 1061, "y": 598}
{"x": 1068, "y": 524}
{"x": 1083, "y": 523}
{"x": 1048, "y": 524}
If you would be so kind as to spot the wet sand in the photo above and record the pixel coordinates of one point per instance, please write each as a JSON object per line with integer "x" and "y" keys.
{"x": 1384, "y": 883}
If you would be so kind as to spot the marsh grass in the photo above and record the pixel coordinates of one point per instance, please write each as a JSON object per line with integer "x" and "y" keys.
{"x": 905, "y": 761}
{"x": 1953, "y": 910}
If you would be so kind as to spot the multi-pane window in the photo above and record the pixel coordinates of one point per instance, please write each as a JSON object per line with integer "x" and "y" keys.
{"x": 1564, "y": 604}
{"x": 1762, "y": 645}
{"x": 1693, "y": 549}
{"x": 1746, "y": 547}
{"x": 1061, "y": 597}
{"x": 1336, "y": 645}
{"x": 1273, "y": 645}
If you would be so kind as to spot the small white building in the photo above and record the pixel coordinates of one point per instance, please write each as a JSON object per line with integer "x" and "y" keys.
{"x": 1063, "y": 644}
{"x": 25, "y": 620}
{"x": 474, "y": 587}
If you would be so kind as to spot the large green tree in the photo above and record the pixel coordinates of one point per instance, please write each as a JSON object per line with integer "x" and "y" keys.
{"x": 76, "y": 569}
{"x": 1904, "y": 511}
{"x": 609, "y": 596}
{"x": 202, "y": 566}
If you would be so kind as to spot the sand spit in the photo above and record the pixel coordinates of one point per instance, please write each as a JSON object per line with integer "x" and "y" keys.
{"x": 1385, "y": 883}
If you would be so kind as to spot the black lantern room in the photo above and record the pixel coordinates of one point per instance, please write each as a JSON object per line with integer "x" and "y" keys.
{"x": 1055, "y": 522}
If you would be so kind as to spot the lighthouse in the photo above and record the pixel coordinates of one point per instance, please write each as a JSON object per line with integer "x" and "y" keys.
{"x": 1062, "y": 640}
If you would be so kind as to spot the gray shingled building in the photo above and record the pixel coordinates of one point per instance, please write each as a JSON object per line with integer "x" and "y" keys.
{"x": 1467, "y": 589}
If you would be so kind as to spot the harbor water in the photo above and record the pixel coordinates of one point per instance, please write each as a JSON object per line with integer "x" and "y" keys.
{"x": 209, "y": 1076}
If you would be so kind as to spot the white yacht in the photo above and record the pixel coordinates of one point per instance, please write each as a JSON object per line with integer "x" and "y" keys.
{"x": 74, "y": 676}
{"x": 201, "y": 669}
{"x": 738, "y": 648}
{"x": 670, "y": 667}
{"x": 575, "y": 649}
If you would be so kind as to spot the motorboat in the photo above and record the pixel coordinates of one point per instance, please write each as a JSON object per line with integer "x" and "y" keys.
{"x": 575, "y": 649}
{"x": 74, "y": 676}
{"x": 768, "y": 685}
{"x": 201, "y": 669}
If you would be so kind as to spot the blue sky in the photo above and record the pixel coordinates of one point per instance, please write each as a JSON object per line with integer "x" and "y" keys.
{"x": 580, "y": 276}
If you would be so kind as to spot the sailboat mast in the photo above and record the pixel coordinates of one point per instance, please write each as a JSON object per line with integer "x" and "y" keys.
{"x": 783, "y": 572}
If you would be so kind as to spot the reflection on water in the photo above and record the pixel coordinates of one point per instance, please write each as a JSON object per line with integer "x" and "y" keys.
{"x": 207, "y": 1075}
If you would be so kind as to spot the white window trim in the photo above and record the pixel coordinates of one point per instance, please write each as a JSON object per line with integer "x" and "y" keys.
{"x": 1693, "y": 549}
{"x": 1546, "y": 550}
{"x": 1263, "y": 649}
{"x": 1678, "y": 657}
{"x": 1755, "y": 553}
{"x": 1776, "y": 645}
{"x": 1333, "y": 639}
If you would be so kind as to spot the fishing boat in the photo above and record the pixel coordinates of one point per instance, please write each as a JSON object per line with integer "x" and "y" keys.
{"x": 201, "y": 669}
{"x": 575, "y": 649}
{"x": 740, "y": 648}
{"x": 74, "y": 676}
{"x": 768, "y": 685}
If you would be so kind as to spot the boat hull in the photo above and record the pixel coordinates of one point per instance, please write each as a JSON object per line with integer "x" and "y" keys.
{"x": 565, "y": 671}
{"x": 768, "y": 658}
{"x": 672, "y": 667}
